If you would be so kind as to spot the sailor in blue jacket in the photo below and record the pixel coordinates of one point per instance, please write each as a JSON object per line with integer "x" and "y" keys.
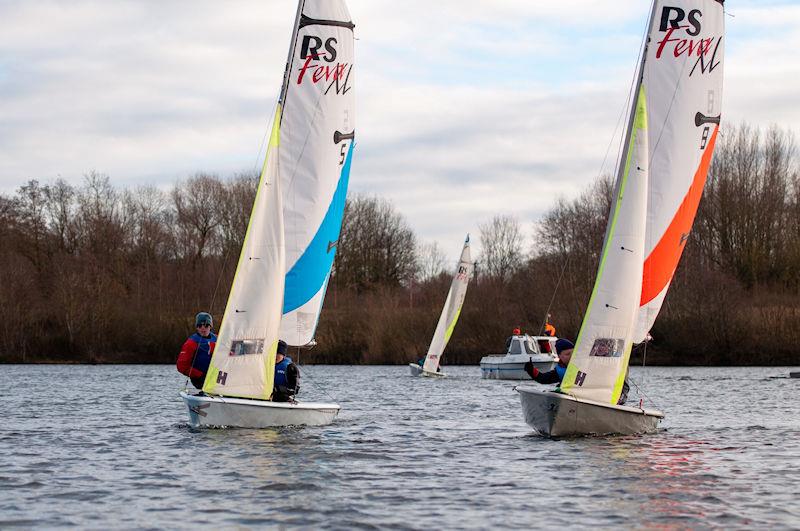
{"x": 564, "y": 350}
{"x": 286, "y": 376}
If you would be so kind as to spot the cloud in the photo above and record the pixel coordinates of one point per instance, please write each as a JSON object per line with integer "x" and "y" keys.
{"x": 464, "y": 109}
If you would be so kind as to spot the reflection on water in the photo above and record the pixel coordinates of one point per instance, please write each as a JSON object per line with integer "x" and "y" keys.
{"x": 110, "y": 446}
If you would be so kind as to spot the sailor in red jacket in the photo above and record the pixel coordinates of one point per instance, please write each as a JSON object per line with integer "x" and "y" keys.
{"x": 195, "y": 356}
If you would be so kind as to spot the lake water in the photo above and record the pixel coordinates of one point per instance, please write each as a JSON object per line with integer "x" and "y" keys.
{"x": 103, "y": 447}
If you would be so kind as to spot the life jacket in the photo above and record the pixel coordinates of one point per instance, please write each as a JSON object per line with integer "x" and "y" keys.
{"x": 549, "y": 330}
{"x": 280, "y": 372}
{"x": 561, "y": 370}
{"x": 205, "y": 348}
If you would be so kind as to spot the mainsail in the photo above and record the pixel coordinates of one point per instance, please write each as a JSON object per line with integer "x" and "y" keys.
{"x": 683, "y": 78}
{"x": 670, "y": 138}
{"x": 451, "y": 310}
{"x": 294, "y": 226}
{"x": 317, "y": 138}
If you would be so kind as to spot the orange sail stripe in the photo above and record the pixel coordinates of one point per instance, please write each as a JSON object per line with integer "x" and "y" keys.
{"x": 662, "y": 262}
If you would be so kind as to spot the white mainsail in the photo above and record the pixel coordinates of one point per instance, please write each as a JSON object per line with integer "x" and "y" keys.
{"x": 451, "y": 310}
{"x": 683, "y": 79}
{"x": 317, "y": 139}
{"x": 243, "y": 363}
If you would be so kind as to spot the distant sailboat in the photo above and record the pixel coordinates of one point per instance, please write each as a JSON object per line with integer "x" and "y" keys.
{"x": 289, "y": 247}
{"x": 448, "y": 318}
{"x": 670, "y": 139}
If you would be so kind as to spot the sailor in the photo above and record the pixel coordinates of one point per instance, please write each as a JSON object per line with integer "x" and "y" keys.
{"x": 514, "y": 332}
{"x": 564, "y": 350}
{"x": 549, "y": 330}
{"x": 286, "y": 376}
{"x": 195, "y": 356}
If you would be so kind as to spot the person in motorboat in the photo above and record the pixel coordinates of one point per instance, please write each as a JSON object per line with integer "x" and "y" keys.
{"x": 514, "y": 332}
{"x": 549, "y": 330}
{"x": 195, "y": 355}
{"x": 286, "y": 376}
{"x": 564, "y": 348}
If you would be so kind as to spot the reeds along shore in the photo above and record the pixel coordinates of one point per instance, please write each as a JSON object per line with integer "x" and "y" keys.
{"x": 91, "y": 273}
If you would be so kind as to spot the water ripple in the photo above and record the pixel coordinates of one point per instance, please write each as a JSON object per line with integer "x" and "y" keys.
{"x": 110, "y": 447}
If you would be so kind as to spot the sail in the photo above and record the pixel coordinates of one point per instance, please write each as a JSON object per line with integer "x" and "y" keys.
{"x": 317, "y": 134}
{"x": 683, "y": 79}
{"x": 451, "y": 310}
{"x": 600, "y": 358}
{"x": 243, "y": 363}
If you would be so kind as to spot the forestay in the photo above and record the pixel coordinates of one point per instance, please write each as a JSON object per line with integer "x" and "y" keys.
{"x": 600, "y": 358}
{"x": 317, "y": 132}
{"x": 451, "y": 310}
{"x": 683, "y": 80}
{"x": 243, "y": 363}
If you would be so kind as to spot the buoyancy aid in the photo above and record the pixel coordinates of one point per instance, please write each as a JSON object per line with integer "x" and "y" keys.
{"x": 205, "y": 348}
{"x": 280, "y": 372}
{"x": 561, "y": 370}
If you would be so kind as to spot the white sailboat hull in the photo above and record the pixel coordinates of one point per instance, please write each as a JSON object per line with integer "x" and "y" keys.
{"x": 554, "y": 414}
{"x": 213, "y": 411}
{"x": 416, "y": 370}
{"x": 512, "y": 366}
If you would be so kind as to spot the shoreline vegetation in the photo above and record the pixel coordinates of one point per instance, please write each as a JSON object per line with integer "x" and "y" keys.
{"x": 101, "y": 275}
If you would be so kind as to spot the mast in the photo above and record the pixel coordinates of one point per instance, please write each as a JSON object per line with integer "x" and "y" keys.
{"x": 290, "y": 57}
{"x": 634, "y": 96}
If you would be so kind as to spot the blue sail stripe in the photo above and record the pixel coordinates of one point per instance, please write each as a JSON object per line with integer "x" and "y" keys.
{"x": 310, "y": 273}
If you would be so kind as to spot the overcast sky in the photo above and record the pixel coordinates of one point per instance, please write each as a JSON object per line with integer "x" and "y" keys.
{"x": 465, "y": 109}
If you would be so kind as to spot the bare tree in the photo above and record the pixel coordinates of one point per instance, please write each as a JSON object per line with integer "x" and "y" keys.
{"x": 501, "y": 242}
{"x": 431, "y": 261}
{"x": 376, "y": 246}
{"x": 198, "y": 215}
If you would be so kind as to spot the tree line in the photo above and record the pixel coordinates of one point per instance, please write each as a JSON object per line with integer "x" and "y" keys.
{"x": 92, "y": 273}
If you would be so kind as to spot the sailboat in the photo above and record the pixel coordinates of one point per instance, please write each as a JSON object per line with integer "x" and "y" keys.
{"x": 290, "y": 243}
{"x": 448, "y": 318}
{"x": 670, "y": 138}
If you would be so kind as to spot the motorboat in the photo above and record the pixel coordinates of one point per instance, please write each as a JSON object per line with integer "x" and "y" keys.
{"x": 522, "y": 348}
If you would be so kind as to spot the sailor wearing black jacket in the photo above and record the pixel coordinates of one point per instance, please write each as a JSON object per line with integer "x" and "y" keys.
{"x": 564, "y": 350}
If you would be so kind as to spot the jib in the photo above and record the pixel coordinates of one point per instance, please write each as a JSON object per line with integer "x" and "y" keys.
{"x": 312, "y": 44}
{"x": 673, "y": 16}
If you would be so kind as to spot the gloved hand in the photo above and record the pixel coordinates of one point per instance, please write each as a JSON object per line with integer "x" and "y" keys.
{"x": 530, "y": 369}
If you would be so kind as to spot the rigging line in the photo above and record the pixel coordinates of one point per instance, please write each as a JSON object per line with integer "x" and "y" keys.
{"x": 267, "y": 134}
{"x": 641, "y": 392}
{"x": 305, "y": 373}
{"x": 553, "y": 297}
{"x": 631, "y": 89}
{"x": 219, "y": 279}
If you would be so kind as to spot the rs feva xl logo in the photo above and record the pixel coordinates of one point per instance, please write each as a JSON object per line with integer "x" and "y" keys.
{"x": 682, "y": 38}
{"x": 320, "y": 65}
